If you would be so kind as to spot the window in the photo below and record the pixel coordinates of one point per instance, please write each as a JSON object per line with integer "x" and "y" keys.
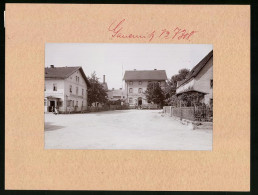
{"x": 82, "y": 103}
{"x": 140, "y": 82}
{"x": 140, "y": 90}
{"x": 54, "y": 87}
{"x": 130, "y": 100}
{"x": 72, "y": 102}
{"x": 71, "y": 88}
{"x": 68, "y": 103}
{"x": 131, "y": 83}
{"x": 131, "y": 90}
{"x": 76, "y": 90}
{"x": 45, "y": 88}
{"x": 211, "y": 83}
{"x": 76, "y": 103}
{"x": 78, "y": 79}
{"x": 45, "y": 102}
{"x": 82, "y": 91}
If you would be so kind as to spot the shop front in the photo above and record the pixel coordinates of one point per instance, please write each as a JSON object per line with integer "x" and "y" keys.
{"x": 51, "y": 102}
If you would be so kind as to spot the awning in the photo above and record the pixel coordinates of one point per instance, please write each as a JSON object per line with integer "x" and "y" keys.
{"x": 191, "y": 90}
{"x": 52, "y": 97}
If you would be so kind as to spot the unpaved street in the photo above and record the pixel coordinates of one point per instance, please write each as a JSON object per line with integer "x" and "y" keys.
{"x": 123, "y": 129}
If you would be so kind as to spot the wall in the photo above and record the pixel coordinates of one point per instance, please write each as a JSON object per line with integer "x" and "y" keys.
{"x": 202, "y": 81}
{"x": 135, "y": 94}
{"x": 49, "y": 91}
{"x": 81, "y": 84}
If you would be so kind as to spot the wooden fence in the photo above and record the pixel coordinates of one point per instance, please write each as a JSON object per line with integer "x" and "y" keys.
{"x": 190, "y": 113}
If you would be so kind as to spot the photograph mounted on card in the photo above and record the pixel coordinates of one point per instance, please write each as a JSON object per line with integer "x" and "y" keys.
{"x": 127, "y": 97}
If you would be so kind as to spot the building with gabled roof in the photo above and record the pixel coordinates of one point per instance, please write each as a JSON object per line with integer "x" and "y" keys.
{"x": 116, "y": 94}
{"x": 199, "y": 80}
{"x": 136, "y": 82}
{"x": 65, "y": 89}
{"x": 153, "y": 75}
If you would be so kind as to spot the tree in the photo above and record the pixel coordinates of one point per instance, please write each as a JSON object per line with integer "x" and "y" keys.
{"x": 170, "y": 89}
{"x": 155, "y": 94}
{"x": 96, "y": 93}
{"x": 173, "y": 101}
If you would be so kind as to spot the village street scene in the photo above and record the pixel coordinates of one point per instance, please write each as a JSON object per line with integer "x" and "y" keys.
{"x": 128, "y": 101}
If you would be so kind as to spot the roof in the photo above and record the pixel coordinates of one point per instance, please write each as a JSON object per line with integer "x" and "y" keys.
{"x": 196, "y": 69}
{"x": 145, "y": 75}
{"x": 117, "y": 92}
{"x": 64, "y": 72}
{"x": 191, "y": 90}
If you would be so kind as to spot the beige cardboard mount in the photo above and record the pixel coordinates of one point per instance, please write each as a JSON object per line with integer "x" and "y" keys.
{"x": 29, "y": 166}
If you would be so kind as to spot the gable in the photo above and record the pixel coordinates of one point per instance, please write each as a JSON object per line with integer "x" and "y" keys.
{"x": 64, "y": 72}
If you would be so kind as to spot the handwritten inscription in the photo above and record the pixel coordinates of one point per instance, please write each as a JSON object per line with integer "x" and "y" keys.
{"x": 117, "y": 31}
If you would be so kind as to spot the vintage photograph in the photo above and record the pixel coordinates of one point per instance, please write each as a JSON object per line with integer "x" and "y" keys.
{"x": 128, "y": 96}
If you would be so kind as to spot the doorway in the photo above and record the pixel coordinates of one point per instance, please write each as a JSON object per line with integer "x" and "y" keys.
{"x": 52, "y": 105}
{"x": 139, "y": 101}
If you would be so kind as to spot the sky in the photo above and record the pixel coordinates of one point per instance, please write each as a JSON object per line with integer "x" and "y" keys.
{"x": 112, "y": 59}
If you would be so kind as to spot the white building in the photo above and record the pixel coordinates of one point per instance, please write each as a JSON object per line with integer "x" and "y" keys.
{"x": 199, "y": 80}
{"x": 136, "y": 83}
{"x": 116, "y": 94}
{"x": 66, "y": 89}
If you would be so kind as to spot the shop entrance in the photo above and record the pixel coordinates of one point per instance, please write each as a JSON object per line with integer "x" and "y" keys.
{"x": 52, "y": 106}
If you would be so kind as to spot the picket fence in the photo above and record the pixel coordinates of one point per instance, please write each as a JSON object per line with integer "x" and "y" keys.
{"x": 190, "y": 113}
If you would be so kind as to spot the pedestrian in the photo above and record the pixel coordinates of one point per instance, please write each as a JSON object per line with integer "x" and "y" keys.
{"x": 56, "y": 111}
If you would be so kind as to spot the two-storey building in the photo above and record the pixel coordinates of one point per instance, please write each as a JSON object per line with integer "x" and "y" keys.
{"x": 136, "y": 82}
{"x": 66, "y": 89}
{"x": 199, "y": 80}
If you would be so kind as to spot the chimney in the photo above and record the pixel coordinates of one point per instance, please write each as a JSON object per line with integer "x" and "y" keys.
{"x": 104, "y": 78}
{"x": 155, "y": 69}
{"x": 52, "y": 66}
{"x": 113, "y": 89}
